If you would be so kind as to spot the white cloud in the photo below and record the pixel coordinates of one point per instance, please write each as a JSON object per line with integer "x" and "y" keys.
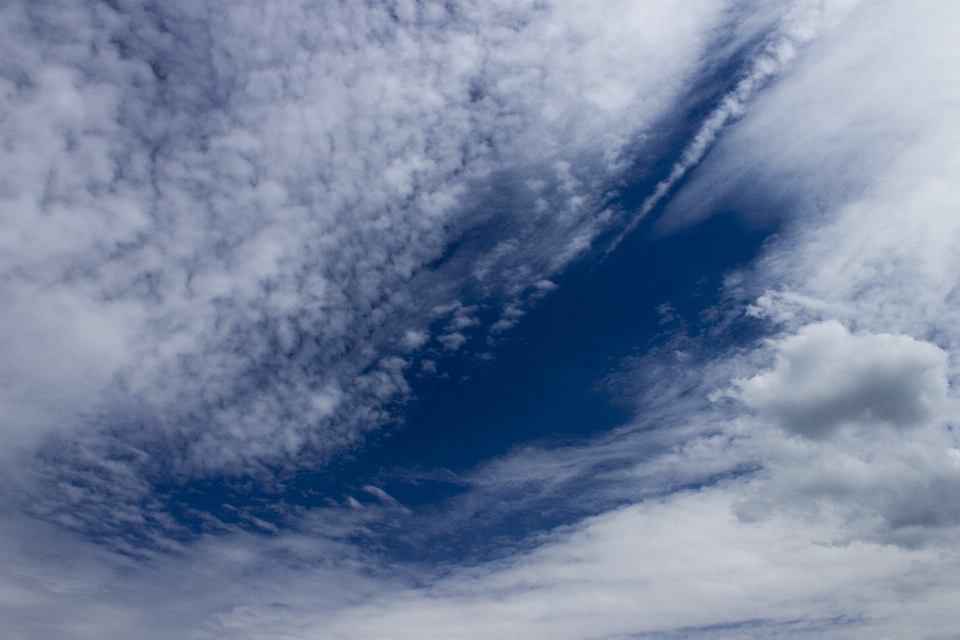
{"x": 213, "y": 218}
{"x": 799, "y": 24}
{"x": 833, "y": 537}
{"x": 682, "y": 565}
{"x": 878, "y": 91}
{"x": 825, "y": 378}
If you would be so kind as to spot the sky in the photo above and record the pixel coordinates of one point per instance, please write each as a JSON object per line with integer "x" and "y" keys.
{"x": 554, "y": 319}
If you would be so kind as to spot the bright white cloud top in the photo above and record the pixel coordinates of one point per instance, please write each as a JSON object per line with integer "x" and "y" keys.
{"x": 228, "y": 229}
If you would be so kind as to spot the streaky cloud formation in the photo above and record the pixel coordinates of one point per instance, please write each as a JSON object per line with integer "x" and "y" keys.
{"x": 799, "y": 24}
{"x": 235, "y": 235}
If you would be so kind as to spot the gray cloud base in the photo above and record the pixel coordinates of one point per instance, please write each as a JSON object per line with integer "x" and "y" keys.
{"x": 825, "y": 378}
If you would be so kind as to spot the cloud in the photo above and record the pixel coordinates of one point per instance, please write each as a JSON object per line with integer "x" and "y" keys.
{"x": 875, "y": 91}
{"x": 799, "y": 24}
{"x": 227, "y": 229}
{"x": 680, "y": 567}
{"x": 223, "y": 226}
{"x": 825, "y": 378}
{"x": 855, "y": 153}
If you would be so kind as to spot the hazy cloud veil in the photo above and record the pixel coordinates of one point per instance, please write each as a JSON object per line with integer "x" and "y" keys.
{"x": 233, "y": 233}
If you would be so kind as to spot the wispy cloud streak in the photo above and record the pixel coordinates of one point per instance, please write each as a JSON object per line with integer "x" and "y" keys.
{"x": 800, "y": 25}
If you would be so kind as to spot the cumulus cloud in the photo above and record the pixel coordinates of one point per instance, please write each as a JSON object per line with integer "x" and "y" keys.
{"x": 824, "y": 378}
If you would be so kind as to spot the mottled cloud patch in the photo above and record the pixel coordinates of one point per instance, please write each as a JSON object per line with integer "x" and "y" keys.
{"x": 225, "y": 229}
{"x": 217, "y": 212}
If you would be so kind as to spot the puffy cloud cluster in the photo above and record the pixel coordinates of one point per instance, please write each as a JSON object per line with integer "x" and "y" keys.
{"x": 825, "y": 378}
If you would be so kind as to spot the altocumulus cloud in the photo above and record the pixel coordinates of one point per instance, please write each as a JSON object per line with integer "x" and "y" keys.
{"x": 226, "y": 224}
{"x": 227, "y": 229}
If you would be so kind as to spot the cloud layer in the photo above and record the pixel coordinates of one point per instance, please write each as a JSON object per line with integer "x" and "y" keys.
{"x": 228, "y": 231}
{"x": 227, "y": 227}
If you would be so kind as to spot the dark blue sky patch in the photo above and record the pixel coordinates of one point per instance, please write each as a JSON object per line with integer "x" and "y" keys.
{"x": 540, "y": 387}
{"x": 539, "y": 382}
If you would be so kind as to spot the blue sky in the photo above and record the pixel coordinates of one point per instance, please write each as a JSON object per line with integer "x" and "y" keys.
{"x": 583, "y": 320}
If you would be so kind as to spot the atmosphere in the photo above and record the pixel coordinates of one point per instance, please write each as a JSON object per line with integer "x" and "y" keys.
{"x": 449, "y": 319}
